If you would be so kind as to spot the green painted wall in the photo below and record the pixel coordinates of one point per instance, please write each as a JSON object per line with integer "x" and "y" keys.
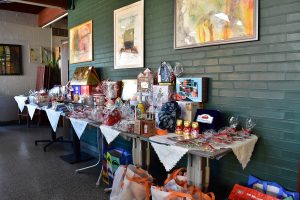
{"x": 260, "y": 79}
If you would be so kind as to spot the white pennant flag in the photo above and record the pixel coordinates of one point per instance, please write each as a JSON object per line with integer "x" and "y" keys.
{"x": 31, "y": 109}
{"x": 109, "y": 133}
{"x": 79, "y": 126}
{"x": 53, "y": 117}
{"x": 20, "y": 101}
{"x": 169, "y": 155}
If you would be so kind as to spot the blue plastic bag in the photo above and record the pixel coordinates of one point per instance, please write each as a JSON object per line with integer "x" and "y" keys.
{"x": 271, "y": 188}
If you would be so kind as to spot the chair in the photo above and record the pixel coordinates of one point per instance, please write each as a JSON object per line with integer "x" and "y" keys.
{"x": 24, "y": 114}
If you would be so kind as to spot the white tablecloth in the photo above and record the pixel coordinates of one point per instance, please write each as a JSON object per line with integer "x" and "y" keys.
{"x": 20, "y": 101}
{"x": 109, "y": 133}
{"x": 79, "y": 126}
{"x": 53, "y": 117}
{"x": 168, "y": 154}
{"x": 31, "y": 109}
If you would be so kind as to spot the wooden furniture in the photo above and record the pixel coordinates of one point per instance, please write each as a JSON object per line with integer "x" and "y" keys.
{"x": 42, "y": 78}
{"x": 24, "y": 115}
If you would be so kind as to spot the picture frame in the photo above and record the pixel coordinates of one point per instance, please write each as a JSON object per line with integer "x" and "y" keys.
{"x": 81, "y": 43}
{"x": 11, "y": 59}
{"x": 35, "y": 54}
{"x": 129, "y": 36}
{"x": 213, "y": 22}
{"x": 192, "y": 89}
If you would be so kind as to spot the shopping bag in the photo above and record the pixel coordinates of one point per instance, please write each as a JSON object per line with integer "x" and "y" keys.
{"x": 271, "y": 188}
{"x": 191, "y": 193}
{"x": 113, "y": 158}
{"x": 131, "y": 183}
{"x": 176, "y": 188}
{"x": 177, "y": 180}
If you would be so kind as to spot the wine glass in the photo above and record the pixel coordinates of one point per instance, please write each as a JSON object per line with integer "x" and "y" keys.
{"x": 178, "y": 69}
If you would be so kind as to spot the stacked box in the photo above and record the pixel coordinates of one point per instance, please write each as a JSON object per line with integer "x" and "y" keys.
{"x": 189, "y": 109}
{"x": 77, "y": 89}
{"x": 161, "y": 95}
{"x": 86, "y": 90}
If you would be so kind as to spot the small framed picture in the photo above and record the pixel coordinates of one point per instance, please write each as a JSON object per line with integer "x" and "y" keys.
{"x": 35, "y": 54}
{"x": 191, "y": 89}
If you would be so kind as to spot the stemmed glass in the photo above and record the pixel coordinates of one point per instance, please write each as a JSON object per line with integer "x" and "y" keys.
{"x": 178, "y": 69}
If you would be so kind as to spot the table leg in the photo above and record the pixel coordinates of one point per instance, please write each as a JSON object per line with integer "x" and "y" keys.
{"x": 148, "y": 156}
{"x": 77, "y": 156}
{"x": 195, "y": 170}
{"x": 99, "y": 158}
{"x": 207, "y": 175}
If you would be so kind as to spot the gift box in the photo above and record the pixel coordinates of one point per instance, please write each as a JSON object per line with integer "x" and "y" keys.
{"x": 192, "y": 89}
{"x": 189, "y": 109}
{"x": 86, "y": 90}
{"x": 77, "y": 89}
{"x": 209, "y": 119}
{"x": 161, "y": 95}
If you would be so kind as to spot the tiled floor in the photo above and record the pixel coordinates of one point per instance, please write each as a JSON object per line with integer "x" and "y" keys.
{"x": 28, "y": 173}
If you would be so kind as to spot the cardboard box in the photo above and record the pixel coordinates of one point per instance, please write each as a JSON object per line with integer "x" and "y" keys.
{"x": 189, "y": 109}
{"x": 144, "y": 127}
{"x": 192, "y": 89}
{"x": 137, "y": 127}
{"x": 77, "y": 89}
{"x": 161, "y": 95}
{"x": 148, "y": 128}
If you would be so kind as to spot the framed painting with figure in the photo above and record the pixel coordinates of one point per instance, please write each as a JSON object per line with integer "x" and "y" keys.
{"x": 81, "y": 43}
{"x": 213, "y": 22}
{"x": 129, "y": 36}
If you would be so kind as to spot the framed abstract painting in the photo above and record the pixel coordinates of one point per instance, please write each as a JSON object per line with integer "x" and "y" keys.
{"x": 212, "y": 22}
{"x": 81, "y": 43}
{"x": 129, "y": 36}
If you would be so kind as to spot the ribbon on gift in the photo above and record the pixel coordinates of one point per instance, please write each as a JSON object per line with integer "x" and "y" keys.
{"x": 109, "y": 133}
{"x": 79, "y": 126}
{"x": 21, "y": 102}
{"x": 31, "y": 109}
{"x": 169, "y": 155}
{"x": 53, "y": 117}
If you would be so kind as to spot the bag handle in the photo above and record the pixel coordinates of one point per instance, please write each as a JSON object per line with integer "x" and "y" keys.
{"x": 202, "y": 195}
{"x": 174, "y": 175}
{"x": 174, "y": 195}
{"x": 144, "y": 182}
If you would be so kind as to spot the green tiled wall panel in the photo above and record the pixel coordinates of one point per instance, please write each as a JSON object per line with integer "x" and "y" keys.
{"x": 258, "y": 79}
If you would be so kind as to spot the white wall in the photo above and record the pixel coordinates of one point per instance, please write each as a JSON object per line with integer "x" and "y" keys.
{"x": 19, "y": 28}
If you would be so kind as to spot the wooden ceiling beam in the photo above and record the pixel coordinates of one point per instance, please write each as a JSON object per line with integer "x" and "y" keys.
{"x": 62, "y": 4}
{"x": 48, "y": 15}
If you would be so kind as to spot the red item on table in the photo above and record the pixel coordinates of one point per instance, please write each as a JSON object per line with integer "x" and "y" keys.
{"x": 86, "y": 89}
{"x": 112, "y": 118}
{"x": 195, "y": 129}
{"x": 243, "y": 193}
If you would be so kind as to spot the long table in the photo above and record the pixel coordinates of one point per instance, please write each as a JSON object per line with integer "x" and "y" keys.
{"x": 197, "y": 173}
